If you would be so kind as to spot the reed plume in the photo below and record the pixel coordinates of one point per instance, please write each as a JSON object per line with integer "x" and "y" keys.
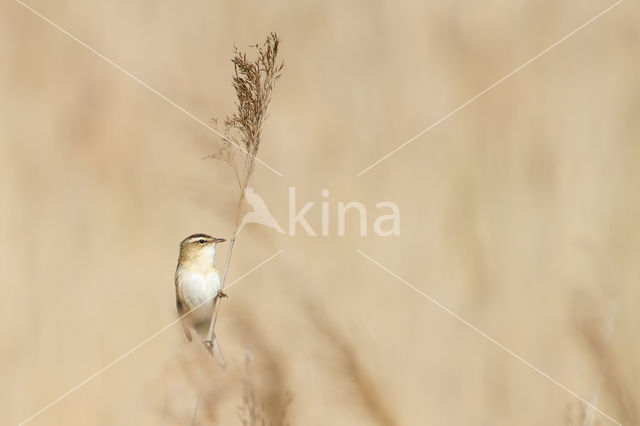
{"x": 253, "y": 82}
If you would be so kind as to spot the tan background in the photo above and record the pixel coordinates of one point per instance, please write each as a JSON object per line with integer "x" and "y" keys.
{"x": 519, "y": 213}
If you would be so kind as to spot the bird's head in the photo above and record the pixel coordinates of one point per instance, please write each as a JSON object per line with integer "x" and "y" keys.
{"x": 200, "y": 248}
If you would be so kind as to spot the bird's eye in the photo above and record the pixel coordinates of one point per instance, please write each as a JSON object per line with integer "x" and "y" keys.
{"x": 201, "y": 241}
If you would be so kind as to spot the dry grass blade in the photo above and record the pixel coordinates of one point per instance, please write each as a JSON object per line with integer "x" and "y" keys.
{"x": 347, "y": 367}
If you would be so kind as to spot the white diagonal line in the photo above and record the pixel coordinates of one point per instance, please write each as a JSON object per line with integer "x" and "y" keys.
{"x": 253, "y": 269}
{"x": 151, "y": 89}
{"x": 488, "y": 88}
{"x": 486, "y": 336}
{"x": 136, "y": 347}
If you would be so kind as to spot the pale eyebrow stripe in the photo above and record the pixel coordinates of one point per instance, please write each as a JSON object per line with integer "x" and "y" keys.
{"x": 199, "y": 238}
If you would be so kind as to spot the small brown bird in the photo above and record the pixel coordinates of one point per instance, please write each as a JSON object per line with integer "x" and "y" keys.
{"x": 197, "y": 283}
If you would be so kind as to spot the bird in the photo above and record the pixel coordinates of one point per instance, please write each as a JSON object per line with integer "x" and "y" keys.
{"x": 197, "y": 283}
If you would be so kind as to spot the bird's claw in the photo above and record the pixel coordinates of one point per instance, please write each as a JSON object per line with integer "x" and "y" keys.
{"x": 221, "y": 294}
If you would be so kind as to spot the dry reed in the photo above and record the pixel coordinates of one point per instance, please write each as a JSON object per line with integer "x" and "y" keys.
{"x": 253, "y": 82}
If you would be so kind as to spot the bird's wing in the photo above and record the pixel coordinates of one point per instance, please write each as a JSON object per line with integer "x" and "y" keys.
{"x": 182, "y": 310}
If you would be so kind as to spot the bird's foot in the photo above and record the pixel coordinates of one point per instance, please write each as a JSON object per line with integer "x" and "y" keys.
{"x": 221, "y": 294}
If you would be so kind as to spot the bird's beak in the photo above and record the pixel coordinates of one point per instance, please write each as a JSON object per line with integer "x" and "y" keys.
{"x": 218, "y": 240}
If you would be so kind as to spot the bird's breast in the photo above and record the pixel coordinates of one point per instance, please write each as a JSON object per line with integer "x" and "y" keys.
{"x": 197, "y": 287}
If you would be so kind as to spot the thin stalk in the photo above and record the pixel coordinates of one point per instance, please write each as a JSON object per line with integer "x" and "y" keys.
{"x": 590, "y": 416}
{"x": 195, "y": 410}
{"x": 211, "y": 338}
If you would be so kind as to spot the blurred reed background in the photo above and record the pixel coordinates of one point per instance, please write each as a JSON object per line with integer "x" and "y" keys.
{"x": 519, "y": 213}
